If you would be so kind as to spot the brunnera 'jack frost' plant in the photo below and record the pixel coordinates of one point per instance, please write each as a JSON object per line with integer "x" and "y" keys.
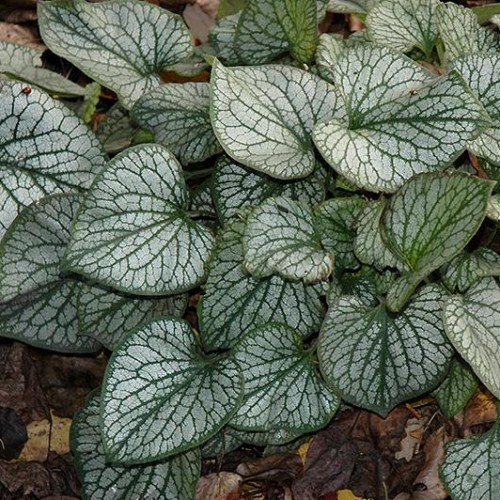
{"x": 338, "y": 235}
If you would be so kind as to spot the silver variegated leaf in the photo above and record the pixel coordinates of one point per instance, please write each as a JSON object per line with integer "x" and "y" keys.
{"x": 351, "y": 6}
{"x": 375, "y": 359}
{"x": 263, "y": 116}
{"x": 472, "y": 323}
{"x": 116, "y": 131}
{"x": 281, "y": 238}
{"x": 471, "y": 469}
{"x": 108, "y": 316}
{"x": 222, "y": 36}
{"x": 161, "y": 396}
{"x": 174, "y": 477}
{"x": 282, "y": 389}
{"x": 122, "y": 45}
{"x": 402, "y": 120}
{"x": 178, "y": 116}
{"x": 493, "y": 208}
{"x": 44, "y": 149}
{"x": 133, "y": 231}
{"x": 235, "y": 302}
{"x": 236, "y": 187}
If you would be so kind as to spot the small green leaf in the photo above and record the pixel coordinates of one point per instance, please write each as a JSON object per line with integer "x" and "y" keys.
{"x": 280, "y": 238}
{"x": 461, "y": 33}
{"x": 472, "y": 323}
{"x": 109, "y": 316}
{"x": 236, "y": 187}
{"x": 44, "y": 149}
{"x": 336, "y": 221}
{"x": 404, "y": 24}
{"x": 46, "y": 318}
{"x": 402, "y": 120}
{"x": 375, "y": 359}
{"x": 282, "y": 388}
{"x": 236, "y": 302}
{"x": 222, "y": 35}
{"x": 493, "y": 208}
{"x": 32, "y": 248}
{"x": 133, "y": 232}
{"x": 121, "y": 45}
{"x": 116, "y": 130}
{"x": 429, "y": 221}
{"x": 277, "y": 107}
{"x": 175, "y": 477}
{"x": 330, "y": 46}
{"x": 456, "y": 389}
{"x": 178, "y": 115}
{"x": 471, "y": 469}
{"x": 162, "y": 397}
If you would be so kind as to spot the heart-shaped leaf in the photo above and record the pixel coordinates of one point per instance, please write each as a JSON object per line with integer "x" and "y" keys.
{"x": 374, "y": 359}
{"x": 122, "y": 45}
{"x": 236, "y": 302}
{"x": 161, "y": 396}
{"x": 471, "y": 469}
{"x": 174, "y": 477}
{"x": 402, "y": 120}
{"x": 178, "y": 116}
{"x": 282, "y": 388}
{"x": 280, "y": 238}
{"x": 133, "y": 231}
{"x": 429, "y": 221}
{"x": 472, "y": 323}
{"x": 108, "y": 316}
{"x": 236, "y": 187}
{"x": 263, "y": 116}
{"x": 44, "y": 149}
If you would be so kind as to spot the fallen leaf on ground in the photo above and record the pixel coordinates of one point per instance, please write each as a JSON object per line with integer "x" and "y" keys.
{"x": 281, "y": 468}
{"x": 219, "y": 486}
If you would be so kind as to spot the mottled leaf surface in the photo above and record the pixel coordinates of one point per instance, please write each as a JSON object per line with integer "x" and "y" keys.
{"x": 350, "y": 6}
{"x": 236, "y": 187}
{"x": 175, "y": 477}
{"x": 375, "y": 359}
{"x": 122, "y": 45}
{"x": 402, "y": 120}
{"x": 32, "y": 248}
{"x": 282, "y": 388}
{"x": 472, "y": 323}
{"x": 133, "y": 231}
{"x": 235, "y": 302}
{"x": 44, "y": 149}
{"x": 222, "y": 36}
{"x": 178, "y": 115}
{"x": 263, "y": 116}
{"x": 471, "y": 469}
{"x": 161, "y": 396}
{"x": 108, "y": 316}
{"x": 280, "y": 238}
{"x": 116, "y": 131}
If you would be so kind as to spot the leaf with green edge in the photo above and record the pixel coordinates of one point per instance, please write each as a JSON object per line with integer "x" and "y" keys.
{"x": 44, "y": 149}
{"x": 493, "y": 208}
{"x": 471, "y": 468}
{"x": 225, "y": 441}
{"x": 235, "y": 302}
{"x": 360, "y": 285}
{"x": 281, "y": 238}
{"x": 482, "y": 74}
{"x": 222, "y": 36}
{"x": 369, "y": 246}
{"x": 330, "y": 46}
{"x": 263, "y": 116}
{"x": 467, "y": 268}
{"x": 14, "y": 55}
{"x": 236, "y": 187}
{"x": 456, "y": 389}
{"x": 108, "y": 316}
{"x": 133, "y": 231}
{"x": 376, "y": 360}
{"x": 404, "y": 24}
{"x": 429, "y": 221}
{"x": 282, "y": 389}
{"x": 351, "y": 6}
{"x": 461, "y": 33}
{"x": 178, "y": 114}
{"x": 116, "y": 131}
{"x": 472, "y": 323}
{"x": 336, "y": 221}
{"x": 161, "y": 396}
{"x": 402, "y": 120}
{"x": 174, "y": 477}
{"x": 46, "y": 318}
{"x": 32, "y": 248}
{"x": 493, "y": 173}
{"x": 121, "y": 45}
